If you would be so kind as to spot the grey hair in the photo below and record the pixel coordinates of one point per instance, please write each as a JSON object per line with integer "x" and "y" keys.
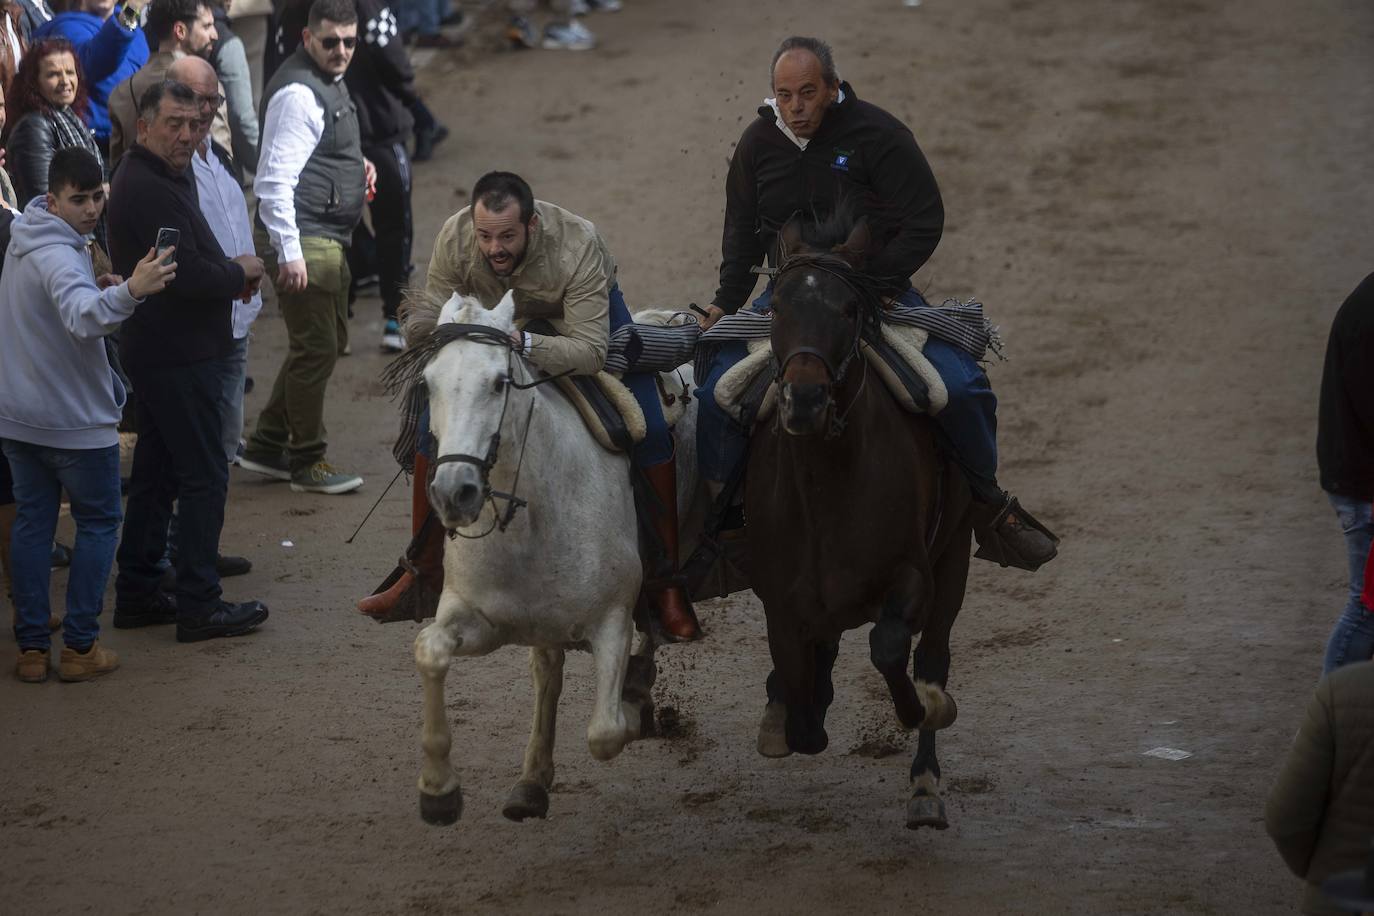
{"x": 152, "y": 98}
{"x": 816, "y": 47}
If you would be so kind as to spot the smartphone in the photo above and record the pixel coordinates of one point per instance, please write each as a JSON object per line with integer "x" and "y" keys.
{"x": 167, "y": 238}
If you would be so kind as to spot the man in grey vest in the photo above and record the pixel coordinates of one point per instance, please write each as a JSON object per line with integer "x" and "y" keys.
{"x": 311, "y": 184}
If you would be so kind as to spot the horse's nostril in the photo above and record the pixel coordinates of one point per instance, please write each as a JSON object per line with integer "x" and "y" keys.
{"x": 468, "y": 494}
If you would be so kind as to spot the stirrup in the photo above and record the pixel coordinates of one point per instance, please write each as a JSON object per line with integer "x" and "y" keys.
{"x": 1011, "y": 536}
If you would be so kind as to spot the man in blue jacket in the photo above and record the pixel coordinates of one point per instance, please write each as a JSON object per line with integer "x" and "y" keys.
{"x": 111, "y": 47}
{"x": 60, "y": 404}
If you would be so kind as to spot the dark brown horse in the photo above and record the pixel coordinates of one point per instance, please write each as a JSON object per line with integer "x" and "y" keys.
{"x": 854, "y": 516}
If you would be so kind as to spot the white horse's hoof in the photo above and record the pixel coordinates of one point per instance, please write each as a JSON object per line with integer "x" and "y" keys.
{"x": 773, "y": 731}
{"x": 441, "y": 810}
{"x": 940, "y": 708}
{"x": 926, "y": 811}
{"x": 605, "y": 747}
{"x": 527, "y": 799}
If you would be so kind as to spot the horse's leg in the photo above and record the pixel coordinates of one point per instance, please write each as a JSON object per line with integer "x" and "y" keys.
{"x": 794, "y": 663}
{"x": 823, "y": 691}
{"x": 530, "y": 797}
{"x": 773, "y": 726}
{"x": 637, "y": 697}
{"x": 889, "y": 642}
{"x": 441, "y": 799}
{"x": 931, "y": 662}
{"x": 925, "y": 808}
{"x": 608, "y": 732}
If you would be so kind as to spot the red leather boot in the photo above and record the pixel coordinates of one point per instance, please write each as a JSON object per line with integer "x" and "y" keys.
{"x": 412, "y": 590}
{"x": 675, "y": 612}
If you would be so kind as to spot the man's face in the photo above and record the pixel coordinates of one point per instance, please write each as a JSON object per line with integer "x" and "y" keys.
{"x": 200, "y": 33}
{"x": 80, "y": 209}
{"x": 331, "y": 47}
{"x": 101, "y": 8}
{"x": 208, "y": 101}
{"x": 801, "y": 91}
{"x": 172, "y": 135}
{"x": 57, "y": 79}
{"x": 501, "y": 237}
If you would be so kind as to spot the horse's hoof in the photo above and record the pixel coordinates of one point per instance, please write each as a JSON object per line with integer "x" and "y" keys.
{"x": 926, "y": 811}
{"x": 527, "y": 799}
{"x": 806, "y": 737}
{"x": 773, "y": 731}
{"x": 940, "y": 708}
{"x": 441, "y": 810}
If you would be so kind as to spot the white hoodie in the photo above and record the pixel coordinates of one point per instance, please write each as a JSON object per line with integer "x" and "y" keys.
{"x": 56, "y": 385}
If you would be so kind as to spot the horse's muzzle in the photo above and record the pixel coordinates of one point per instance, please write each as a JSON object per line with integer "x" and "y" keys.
{"x": 804, "y": 409}
{"x": 457, "y": 494}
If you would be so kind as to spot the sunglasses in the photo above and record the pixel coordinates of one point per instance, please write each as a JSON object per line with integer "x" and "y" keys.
{"x": 333, "y": 42}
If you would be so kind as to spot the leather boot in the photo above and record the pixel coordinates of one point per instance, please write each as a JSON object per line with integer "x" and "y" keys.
{"x": 1010, "y": 536}
{"x": 675, "y": 612}
{"x": 412, "y": 590}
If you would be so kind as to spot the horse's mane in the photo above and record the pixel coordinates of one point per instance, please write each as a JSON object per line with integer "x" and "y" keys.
{"x": 824, "y": 233}
{"x": 408, "y": 369}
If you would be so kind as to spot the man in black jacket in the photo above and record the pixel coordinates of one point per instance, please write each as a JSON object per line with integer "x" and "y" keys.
{"x": 812, "y": 146}
{"x": 1345, "y": 456}
{"x": 171, "y": 349}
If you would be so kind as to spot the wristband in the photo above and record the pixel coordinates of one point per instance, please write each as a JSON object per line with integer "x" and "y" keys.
{"x": 128, "y": 17}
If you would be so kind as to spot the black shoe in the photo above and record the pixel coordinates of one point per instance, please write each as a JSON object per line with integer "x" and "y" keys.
{"x": 159, "y": 609}
{"x": 426, "y": 140}
{"x": 61, "y": 556}
{"x": 225, "y": 620}
{"x": 232, "y": 566}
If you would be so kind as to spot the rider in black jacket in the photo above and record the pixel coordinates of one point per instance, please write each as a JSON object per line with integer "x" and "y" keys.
{"x": 816, "y": 143}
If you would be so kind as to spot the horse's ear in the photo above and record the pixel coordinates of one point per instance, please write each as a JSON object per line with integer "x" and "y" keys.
{"x": 789, "y": 237}
{"x": 857, "y": 249}
{"x": 451, "y": 309}
{"x": 503, "y": 316}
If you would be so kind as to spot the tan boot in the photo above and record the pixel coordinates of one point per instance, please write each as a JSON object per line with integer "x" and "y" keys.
{"x": 675, "y": 612}
{"x": 76, "y": 666}
{"x": 32, "y": 666}
{"x": 412, "y": 590}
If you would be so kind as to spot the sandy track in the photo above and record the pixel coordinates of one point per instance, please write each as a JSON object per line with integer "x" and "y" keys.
{"x": 1161, "y": 202}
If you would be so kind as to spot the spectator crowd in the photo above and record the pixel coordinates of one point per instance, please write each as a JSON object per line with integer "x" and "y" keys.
{"x": 161, "y": 159}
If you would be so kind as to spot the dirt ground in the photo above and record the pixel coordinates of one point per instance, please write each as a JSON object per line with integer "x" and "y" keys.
{"x": 1161, "y": 202}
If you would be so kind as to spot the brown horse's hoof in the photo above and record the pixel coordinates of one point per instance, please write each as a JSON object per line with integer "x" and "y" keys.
{"x": 527, "y": 799}
{"x": 926, "y": 811}
{"x": 773, "y": 731}
{"x": 441, "y": 810}
{"x": 940, "y": 708}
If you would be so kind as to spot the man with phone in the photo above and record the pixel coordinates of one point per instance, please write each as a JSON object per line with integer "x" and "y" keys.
{"x": 173, "y": 349}
{"x": 311, "y": 185}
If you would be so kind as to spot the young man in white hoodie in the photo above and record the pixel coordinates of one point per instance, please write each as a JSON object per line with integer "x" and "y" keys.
{"x": 60, "y": 403}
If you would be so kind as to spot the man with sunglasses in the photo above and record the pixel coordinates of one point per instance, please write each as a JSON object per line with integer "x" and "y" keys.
{"x": 311, "y": 186}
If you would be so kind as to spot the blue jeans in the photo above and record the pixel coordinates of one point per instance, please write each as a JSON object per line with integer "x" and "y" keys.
{"x": 233, "y": 369}
{"x": 421, "y": 16}
{"x": 657, "y": 446}
{"x": 91, "y": 479}
{"x": 968, "y": 422}
{"x": 179, "y": 456}
{"x": 1352, "y": 640}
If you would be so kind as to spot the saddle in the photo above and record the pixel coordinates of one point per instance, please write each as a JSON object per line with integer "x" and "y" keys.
{"x": 896, "y": 357}
{"x": 610, "y": 411}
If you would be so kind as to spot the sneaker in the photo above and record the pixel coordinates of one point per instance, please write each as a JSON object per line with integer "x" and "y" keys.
{"x": 321, "y": 477}
{"x": 32, "y": 666}
{"x": 224, "y": 620}
{"x": 520, "y": 33}
{"x": 391, "y": 337}
{"x": 568, "y": 36}
{"x": 82, "y": 666}
{"x": 227, "y": 566}
{"x": 157, "y": 610}
{"x": 274, "y": 466}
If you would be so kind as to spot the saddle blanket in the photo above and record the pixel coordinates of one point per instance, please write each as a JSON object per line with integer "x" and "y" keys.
{"x": 897, "y": 360}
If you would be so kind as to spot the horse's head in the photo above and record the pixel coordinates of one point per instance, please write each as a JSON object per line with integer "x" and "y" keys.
{"x": 467, "y": 374}
{"x": 820, "y": 303}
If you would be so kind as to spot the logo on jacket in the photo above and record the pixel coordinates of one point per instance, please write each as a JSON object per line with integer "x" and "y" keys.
{"x": 842, "y": 157}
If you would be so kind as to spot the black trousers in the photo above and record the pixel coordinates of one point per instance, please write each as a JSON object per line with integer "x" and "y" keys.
{"x": 392, "y": 232}
{"x": 179, "y": 457}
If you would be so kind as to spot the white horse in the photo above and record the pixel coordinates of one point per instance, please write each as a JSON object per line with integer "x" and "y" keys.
{"x": 564, "y": 573}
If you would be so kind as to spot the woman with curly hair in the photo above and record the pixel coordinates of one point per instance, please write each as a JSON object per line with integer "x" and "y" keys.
{"x": 47, "y": 111}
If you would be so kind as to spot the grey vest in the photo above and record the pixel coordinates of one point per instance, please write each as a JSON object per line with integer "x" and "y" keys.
{"x": 330, "y": 194}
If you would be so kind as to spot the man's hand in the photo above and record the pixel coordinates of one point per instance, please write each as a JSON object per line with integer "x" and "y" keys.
{"x": 291, "y": 276}
{"x": 105, "y": 281}
{"x": 151, "y": 275}
{"x": 713, "y": 314}
{"x": 370, "y": 178}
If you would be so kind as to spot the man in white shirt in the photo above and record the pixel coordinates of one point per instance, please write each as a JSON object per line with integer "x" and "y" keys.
{"x": 311, "y": 185}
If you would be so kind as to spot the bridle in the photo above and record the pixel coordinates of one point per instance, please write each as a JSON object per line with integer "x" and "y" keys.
{"x": 483, "y": 334}
{"x": 841, "y": 270}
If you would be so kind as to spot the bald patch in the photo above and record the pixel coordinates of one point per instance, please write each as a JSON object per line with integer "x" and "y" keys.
{"x": 196, "y": 73}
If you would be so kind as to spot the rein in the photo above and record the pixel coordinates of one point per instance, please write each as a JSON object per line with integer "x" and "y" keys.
{"x": 480, "y": 333}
